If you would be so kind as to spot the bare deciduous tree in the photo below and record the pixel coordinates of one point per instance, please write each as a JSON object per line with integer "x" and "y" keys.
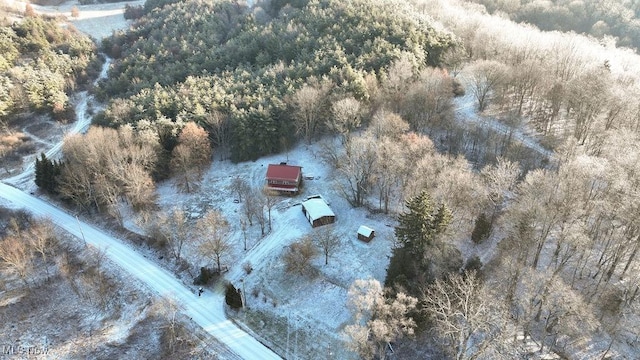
{"x": 328, "y": 241}
{"x": 356, "y": 169}
{"x": 399, "y": 77}
{"x": 213, "y": 229}
{"x": 345, "y": 117}
{"x": 429, "y": 101}
{"x": 251, "y": 206}
{"x": 191, "y": 155}
{"x": 42, "y": 239}
{"x": 309, "y": 103}
{"x": 298, "y": 256}
{"x": 167, "y": 308}
{"x": 196, "y": 138}
{"x": 378, "y": 320}
{"x": 271, "y": 199}
{"x": 486, "y": 76}
{"x": 465, "y": 315}
{"x": 181, "y": 164}
{"x": 106, "y": 165}
{"x": 386, "y": 123}
{"x": 218, "y": 125}
{"x": 17, "y": 256}
{"x": 172, "y": 228}
{"x": 389, "y": 171}
{"x": 76, "y": 185}
{"x": 243, "y": 227}
{"x": 260, "y": 201}
{"x": 240, "y": 187}
{"x": 500, "y": 179}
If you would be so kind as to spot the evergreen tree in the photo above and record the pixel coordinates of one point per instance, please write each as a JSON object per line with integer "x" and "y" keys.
{"x": 47, "y": 172}
{"x": 232, "y": 297}
{"x": 40, "y": 171}
{"x": 481, "y": 229}
{"x": 417, "y": 232}
{"x": 421, "y": 223}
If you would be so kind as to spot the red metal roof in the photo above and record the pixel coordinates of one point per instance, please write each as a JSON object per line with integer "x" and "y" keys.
{"x": 284, "y": 172}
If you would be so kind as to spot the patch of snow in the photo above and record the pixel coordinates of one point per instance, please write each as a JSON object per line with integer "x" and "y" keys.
{"x": 466, "y": 112}
{"x": 96, "y": 20}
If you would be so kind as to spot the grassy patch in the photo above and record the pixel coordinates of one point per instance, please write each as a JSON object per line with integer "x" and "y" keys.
{"x": 291, "y": 337}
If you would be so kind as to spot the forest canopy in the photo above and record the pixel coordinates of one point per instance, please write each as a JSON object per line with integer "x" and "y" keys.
{"x": 40, "y": 64}
{"x": 613, "y": 18}
{"x": 220, "y": 58}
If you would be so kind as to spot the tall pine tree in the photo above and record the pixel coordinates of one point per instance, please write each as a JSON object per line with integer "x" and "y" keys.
{"x": 233, "y": 297}
{"x": 417, "y": 232}
{"x": 422, "y": 222}
{"x": 47, "y": 172}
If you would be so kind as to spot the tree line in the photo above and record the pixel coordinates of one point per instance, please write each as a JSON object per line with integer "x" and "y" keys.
{"x": 613, "y": 18}
{"x": 260, "y": 69}
{"x": 41, "y": 63}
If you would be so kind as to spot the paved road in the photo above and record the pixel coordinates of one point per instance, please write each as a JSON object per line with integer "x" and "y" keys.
{"x": 207, "y": 310}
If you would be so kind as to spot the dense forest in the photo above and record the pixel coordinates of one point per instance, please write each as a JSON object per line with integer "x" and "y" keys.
{"x": 617, "y": 19}
{"x": 248, "y": 67}
{"x": 41, "y": 64}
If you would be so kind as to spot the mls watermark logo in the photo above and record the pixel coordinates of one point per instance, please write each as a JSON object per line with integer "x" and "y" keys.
{"x": 23, "y": 350}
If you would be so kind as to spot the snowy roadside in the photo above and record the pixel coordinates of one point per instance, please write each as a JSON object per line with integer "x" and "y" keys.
{"x": 207, "y": 310}
{"x": 96, "y": 20}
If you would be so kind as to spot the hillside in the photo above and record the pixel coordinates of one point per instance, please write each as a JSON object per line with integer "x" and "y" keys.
{"x": 496, "y": 161}
{"x": 255, "y": 61}
{"x": 42, "y": 64}
{"x": 615, "y": 20}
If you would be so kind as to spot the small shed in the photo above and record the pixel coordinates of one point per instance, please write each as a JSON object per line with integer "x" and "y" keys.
{"x": 365, "y": 233}
{"x": 318, "y": 212}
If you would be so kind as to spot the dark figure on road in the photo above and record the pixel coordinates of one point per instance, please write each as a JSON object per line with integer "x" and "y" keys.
{"x": 200, "y": 291}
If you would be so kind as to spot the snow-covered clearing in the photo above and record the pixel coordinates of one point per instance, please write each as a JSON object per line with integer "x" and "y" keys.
{"x": 95, "y": 20}
{"x": 318, "y": 301}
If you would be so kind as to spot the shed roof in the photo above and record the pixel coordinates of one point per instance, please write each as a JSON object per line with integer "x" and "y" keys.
{"x": 365, "y": 231}
{"x": 317, "y": 208}
{"x": 284, "y": 172}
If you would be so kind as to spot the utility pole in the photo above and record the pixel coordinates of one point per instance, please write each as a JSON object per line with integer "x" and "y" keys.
{"x": 81, "y": 232}
{"x": 243, "y": 295}
{"x": 288, "y": 332}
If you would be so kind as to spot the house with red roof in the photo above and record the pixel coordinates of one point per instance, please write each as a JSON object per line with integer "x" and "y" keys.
{"x": 284, "y": 178}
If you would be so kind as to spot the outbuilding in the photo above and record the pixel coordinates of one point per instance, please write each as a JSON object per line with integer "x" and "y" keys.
{"x": 318, "y": 212}
{"x": 365, "y": 233}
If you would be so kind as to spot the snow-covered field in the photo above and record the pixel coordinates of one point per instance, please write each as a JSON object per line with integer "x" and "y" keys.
{"x": 95, "y": 20}
{"x": 318, "y": 301}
